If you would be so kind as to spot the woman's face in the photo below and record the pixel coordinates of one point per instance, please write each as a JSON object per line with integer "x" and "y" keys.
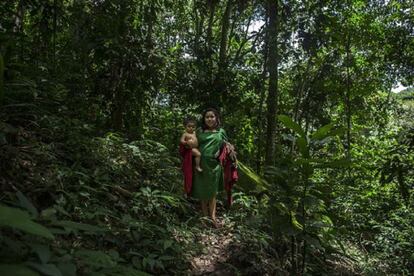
{"x": 210, "y": 119}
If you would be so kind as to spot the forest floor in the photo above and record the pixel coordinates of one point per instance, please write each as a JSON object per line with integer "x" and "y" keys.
{"x": 215, "y": 258}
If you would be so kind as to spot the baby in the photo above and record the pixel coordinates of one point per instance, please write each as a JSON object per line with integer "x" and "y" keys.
{"x": 189, "y": 139}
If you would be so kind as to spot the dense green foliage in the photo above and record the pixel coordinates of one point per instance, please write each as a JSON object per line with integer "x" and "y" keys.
{"x": 92, "y": 98}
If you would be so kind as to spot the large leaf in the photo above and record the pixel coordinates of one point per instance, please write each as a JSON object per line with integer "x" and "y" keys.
{"x": 313, "y": 241}
{"x": 42, "y": 251}
{"x": 295, "y": 222}
{"x": 303, "y": 146}
{"x": 46, "y": 269}
{"x": 67, "y": 269}
{"x": 322, "y": 132}
{"x": 95, "y": 259}
{"x": 289, "y": 123}
{"x": 253, "y": 176}
{"x": 123, "y": 270}
{"x": 72, "y": 226}
{"x": 16, "y": 270}
{"x": 19, "y": 219}
{"x": 337, "y": 131}
{"x": 26, "y": 204}
{"x": 340, "y": 163}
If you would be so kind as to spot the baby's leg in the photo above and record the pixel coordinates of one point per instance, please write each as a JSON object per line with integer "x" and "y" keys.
{"x": 197, "y": 154}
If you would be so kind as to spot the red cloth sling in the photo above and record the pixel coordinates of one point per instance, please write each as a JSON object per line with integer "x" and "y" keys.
{"x": 230, "y": 172}
{"x": 187, "y": 168}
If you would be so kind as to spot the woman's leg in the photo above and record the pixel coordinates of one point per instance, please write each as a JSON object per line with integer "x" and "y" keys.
{"x": 204, "y": 207}
{"x": 212, "y": 208}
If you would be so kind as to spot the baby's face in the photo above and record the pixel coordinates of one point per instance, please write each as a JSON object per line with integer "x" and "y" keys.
{"x": 190, "y": 127}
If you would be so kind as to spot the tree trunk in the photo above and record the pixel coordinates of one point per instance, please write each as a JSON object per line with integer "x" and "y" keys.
{"x": 54, "y": 34}
{"x": 198, "y": 26}
{"x": 212, "y": 6}
{"x": 272, "y": 98}
{"x": 118, "y": 78}
{"x": 261, "y": 88}
{"x": 300, "y": 97}
{"x": 119, "y": 98}
{"x": 19, "y": 26}
{"x": 209, "y": 48}
{"x": 18, "y": 19}
{"x": 224, "y": 36}
{"x": 347, "y": 97}
{"x": 1, "y": 79}
{"x": 220, "y": 85}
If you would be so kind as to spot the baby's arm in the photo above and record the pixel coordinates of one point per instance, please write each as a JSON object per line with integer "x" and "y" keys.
{"x": 183, "y": 140}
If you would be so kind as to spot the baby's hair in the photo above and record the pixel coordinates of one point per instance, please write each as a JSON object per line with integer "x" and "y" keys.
{"x": 188, "y": 120}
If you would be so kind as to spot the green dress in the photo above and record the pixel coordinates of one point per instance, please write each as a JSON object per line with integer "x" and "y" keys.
{"x": 207, "y": 183}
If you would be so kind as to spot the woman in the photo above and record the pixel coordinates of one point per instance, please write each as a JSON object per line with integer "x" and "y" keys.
{"x": 210, "y": 181}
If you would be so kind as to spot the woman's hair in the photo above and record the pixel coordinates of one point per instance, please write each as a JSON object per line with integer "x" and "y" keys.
{"x": 216, "y": 113}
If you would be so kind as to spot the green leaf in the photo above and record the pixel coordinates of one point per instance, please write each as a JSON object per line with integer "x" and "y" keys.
{"x": 167, "y": 258}
{"x": 19, "y": 219}
{"x": 96, "y": 259}
{"x": 340, "y": 163}
{"x": 114, "y": 254}
{"x": 282, "y": 208}
{"x": 171, "y": 200}
{"x": 303, "y": 146}
{"x": 72, "y": 226}
{"x": 313, "y": 202}
{"x": 289, "y": 123}
{"x": 46, "y": 269}
{"x": 322, "y": 132}
{"x": 16, "y": 270}
{"x": 327, "y": 220}
{"x": 337, "y": 131}
{"x": 252, "y": 175}
{"x": 314, "y": 242}
{"x": 295, "y": 222}
{"x": 67, "y": 269}
{"x": 123, "y": 270}
{"x": 167, "y": 244}
{"x": 26, "y": 204}
{"x": 15, "y": 248}
{"x": 42, "y": 251}
{"x": 48, "y": 213}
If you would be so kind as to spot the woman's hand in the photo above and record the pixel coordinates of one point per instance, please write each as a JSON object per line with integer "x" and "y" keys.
{"x": 232, "y": 151}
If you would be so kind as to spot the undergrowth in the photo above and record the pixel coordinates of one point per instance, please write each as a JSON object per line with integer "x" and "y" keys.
{"x": 78, "y": 203}
{"x": 77, "y": 200}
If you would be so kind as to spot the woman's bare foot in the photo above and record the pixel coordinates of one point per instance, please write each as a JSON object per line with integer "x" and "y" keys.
{"x": 199, "y": 169}
{"x": 216, "y": 224}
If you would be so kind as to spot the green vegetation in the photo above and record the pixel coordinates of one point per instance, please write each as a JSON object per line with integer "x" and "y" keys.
{"x": 92, "y": 98}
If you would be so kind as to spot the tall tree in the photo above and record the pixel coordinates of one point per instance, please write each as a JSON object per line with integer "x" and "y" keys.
{"x": 272, "y": 97}
{"x": 222, "y": 62}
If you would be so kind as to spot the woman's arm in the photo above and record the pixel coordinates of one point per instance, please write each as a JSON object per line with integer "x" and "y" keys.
{"x": 230, "y": 147}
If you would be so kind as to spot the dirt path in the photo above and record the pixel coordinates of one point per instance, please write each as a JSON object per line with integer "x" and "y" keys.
{"x": 216, "y": 252}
